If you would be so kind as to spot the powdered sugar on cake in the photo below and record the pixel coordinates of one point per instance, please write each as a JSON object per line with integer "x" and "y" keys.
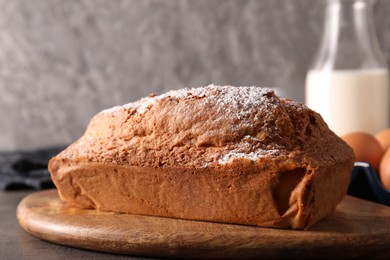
{"x": 253, "y": 156}
{"x": 238, "y": 105}
{"x": 239, "y": 99}
{"x": 241, "y": 151}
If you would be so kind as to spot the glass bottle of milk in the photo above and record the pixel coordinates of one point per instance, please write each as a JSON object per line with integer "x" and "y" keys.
{"x": 348, "y": 82}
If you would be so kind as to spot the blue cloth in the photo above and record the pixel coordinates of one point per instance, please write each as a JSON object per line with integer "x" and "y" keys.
{"x": 26, "y": 170}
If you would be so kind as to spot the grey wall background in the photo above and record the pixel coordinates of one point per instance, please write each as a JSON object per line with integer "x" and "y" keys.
{"x": 63, "y": 61}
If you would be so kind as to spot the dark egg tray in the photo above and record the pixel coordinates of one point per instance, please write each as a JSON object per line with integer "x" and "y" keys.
{"x": 365, "y": 184}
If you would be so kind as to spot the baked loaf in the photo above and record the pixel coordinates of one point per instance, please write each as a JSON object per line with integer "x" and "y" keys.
{"x": 218, "y": 153}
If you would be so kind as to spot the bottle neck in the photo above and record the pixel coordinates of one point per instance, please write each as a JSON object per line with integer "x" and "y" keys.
{"x": 349, "y": 40}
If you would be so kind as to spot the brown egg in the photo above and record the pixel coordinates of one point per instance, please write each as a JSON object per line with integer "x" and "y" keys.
{"x": 366, "y": 148}
{"x": 384, "y": 170}
{"x": 384, "y": 138}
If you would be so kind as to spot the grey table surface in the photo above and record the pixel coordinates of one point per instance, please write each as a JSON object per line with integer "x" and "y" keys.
{"x": 15, "y": 243}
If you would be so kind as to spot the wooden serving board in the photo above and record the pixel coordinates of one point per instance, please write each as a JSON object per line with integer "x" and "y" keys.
{"x": 356, "y": 228}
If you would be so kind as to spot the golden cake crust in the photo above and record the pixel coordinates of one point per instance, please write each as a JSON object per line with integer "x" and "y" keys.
{"x": 217, "y": 153}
